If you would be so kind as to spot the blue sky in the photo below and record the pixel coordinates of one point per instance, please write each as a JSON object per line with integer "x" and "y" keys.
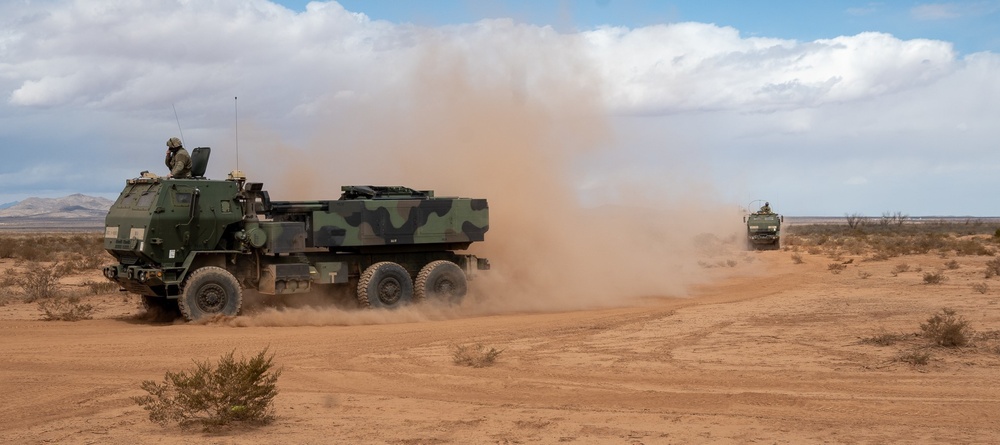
{"x": 971, "y": 25}
{"x": 823, "y": 108}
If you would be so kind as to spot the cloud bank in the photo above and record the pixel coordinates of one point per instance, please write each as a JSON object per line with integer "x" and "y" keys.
{"x": 865, "y": 122}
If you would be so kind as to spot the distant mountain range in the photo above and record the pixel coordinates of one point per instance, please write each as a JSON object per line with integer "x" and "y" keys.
{"x": 70, "y": 207}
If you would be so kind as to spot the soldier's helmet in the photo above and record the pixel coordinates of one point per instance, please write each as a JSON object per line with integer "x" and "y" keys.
{"x": 173, "y": 143}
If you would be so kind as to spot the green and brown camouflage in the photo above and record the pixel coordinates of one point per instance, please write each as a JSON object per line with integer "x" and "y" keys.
{"x": 198, "y": 242}
{"x": 764, "y": 229}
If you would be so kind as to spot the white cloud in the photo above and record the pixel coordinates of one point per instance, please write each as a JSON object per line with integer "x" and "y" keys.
{"x": 936, "y": 11}
{"x": 694, "y": 66}
{"x": 751, "y": 108}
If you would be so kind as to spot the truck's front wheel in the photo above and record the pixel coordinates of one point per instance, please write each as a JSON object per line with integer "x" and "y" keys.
{"x": 210, "y": 291}
{"x": 385, "y": 285}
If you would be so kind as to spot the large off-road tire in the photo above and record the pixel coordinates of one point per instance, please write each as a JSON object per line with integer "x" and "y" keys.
{"x": 160, "y": 309}
{"x": 210, "y": 291}
{"x": 385, "y": 285}
{"x": 441, "y": 280}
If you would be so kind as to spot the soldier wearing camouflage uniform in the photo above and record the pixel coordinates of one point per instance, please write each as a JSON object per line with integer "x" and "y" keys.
{"x": 178, "y": 160}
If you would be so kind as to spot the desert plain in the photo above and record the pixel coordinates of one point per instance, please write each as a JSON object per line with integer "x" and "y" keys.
{"x": 774, "y": 347}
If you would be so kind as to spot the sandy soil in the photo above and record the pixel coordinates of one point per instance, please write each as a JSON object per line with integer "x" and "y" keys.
{"x": 770, "y": 352}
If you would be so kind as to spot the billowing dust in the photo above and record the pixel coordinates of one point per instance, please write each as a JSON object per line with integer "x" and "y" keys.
{"x": 514, "y": 141}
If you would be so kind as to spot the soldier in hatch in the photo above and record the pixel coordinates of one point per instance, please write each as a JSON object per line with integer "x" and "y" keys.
{"x": 766, "y": 208}
{"x": 178, "y": 160}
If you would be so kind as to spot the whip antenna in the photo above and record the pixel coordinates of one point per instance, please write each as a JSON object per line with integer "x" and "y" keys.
{"x": 178, "y": 123}
{"x": 236, "y": 114}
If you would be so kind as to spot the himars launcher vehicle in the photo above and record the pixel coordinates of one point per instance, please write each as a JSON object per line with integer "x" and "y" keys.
{"x": 198, "y": 243}
{"x": 764, "y": 229}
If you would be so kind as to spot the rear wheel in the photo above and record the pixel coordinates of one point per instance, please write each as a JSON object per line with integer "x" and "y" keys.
{"x": 441, "y": 280}
{"x": 210, "y": 291}
{"x": 385, "y": 285}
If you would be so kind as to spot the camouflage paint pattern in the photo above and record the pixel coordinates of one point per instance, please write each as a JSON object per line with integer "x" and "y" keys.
{"x": 356, "y": 223}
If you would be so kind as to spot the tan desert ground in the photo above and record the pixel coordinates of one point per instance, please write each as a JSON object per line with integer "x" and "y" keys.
{"x": 768, "y": 350}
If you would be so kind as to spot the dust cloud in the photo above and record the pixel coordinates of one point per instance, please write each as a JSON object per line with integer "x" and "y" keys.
{"x": 515, "y": 139}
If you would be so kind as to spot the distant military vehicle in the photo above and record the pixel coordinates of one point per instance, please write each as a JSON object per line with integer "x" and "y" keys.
{"x": 195, "y": 244}
{"x": 763, "y": 228}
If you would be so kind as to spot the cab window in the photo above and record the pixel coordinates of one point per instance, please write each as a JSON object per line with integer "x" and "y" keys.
{"x": 182, "y": 195}
{"x": 147, "y": 198}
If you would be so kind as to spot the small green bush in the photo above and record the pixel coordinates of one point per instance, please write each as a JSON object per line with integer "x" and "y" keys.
{"x": 234, "y": 391}
{"x": 39, "y": 282}
{"x": 993, "y": 267}
{"x": 101, "y": 287}
{"x": 61, "y": 308}
{"x": 916, "y": 358}
{"x": 883, "y": 339}
{"x": 936, "y": 277}
{"x": 476, "y": 356}
{"x": 945, "y": 328}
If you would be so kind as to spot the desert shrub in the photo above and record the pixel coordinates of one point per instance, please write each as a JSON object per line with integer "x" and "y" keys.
{"x": 88, "y": 248}
{"x": 993, "y": 267}
{"x": 63, "y": 308}
{"x": 836, "y": 268}
{"x": 945, "y": 328}
{"x": 953, "y": 264}
{"x": 864, "y": 275}
{"x": 39, "y": 282}
{"x": 883, "y": 339}
{"x": 917, "y": 358}
{"x": 971, "y": 246}
{"x": 64, "y": 268}
{"x": 33, "y": 253}
{"x": 901, "y": 267}
{"x": 476, "y": 356}
{"x": 814, "y": 250}
{"x": 101, "y": 287}
{"x": 7, "y": 247}
{"x": 731, "y": 263}
{"x": 981, "y": 287}
{"x": 233, "y": 391}
{"x": 8, "y": 278}
{"x": 797, "y": 258}
{"x": 936, "y": 277}
{"x": 791, "y": 240}
{"x": 879, "y": 256}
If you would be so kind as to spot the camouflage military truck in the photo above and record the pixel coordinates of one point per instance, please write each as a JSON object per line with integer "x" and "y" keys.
{"x": 764, "y": 229}
{"x": 196, "y": 244}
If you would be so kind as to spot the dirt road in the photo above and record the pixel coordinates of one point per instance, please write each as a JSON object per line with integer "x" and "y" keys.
{"x": 770, "y": 352}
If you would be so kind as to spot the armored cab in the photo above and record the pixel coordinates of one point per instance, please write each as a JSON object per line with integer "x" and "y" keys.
{"x": 196, "y": 244}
